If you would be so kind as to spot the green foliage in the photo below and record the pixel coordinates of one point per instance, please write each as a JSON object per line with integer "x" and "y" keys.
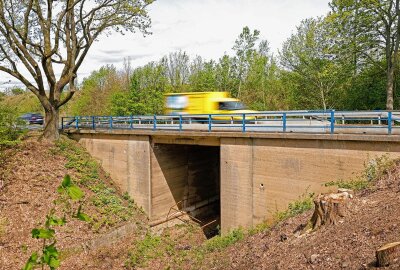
{"x": 17, "y": 91}
{"x": 11, "y": 127}
{"x": 223, "y": 241}
{"x": 378, "y": 167}
{"x": 43, "y": 233}
{"x": 110, "y": 207}
{"x": 149, "y": 248}
{"x": 303, "y": 204}
{"x": 22, "y": 103}
{"x": 355, "y": 184}
{"x": 262, "y": 227}
{"x": 316, "y": 77}
{"x": 145, "y": 95}
{"x": 373, "y": 170}
{"x": 49, "y": 255}
{"x": 73, "y": 191}
{"x": 97, "y": 90}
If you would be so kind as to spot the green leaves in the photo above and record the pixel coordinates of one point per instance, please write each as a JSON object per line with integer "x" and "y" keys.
{"x": 72, "y": 190}
{"x": 50, "y": 256}
{"x": 82, "y": 216}
{"x": 32, "y": 262}
{"x": 75, "y": 193}
{"x": 43, "y": 233}
{"x": 55, "y": 221}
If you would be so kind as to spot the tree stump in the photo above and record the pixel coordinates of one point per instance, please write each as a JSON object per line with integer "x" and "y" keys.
{"x": 387, "y": 254}
{"x": 329, "y": 207}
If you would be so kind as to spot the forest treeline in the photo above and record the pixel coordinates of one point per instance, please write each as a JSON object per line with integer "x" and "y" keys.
{"x": 346, "y": 60}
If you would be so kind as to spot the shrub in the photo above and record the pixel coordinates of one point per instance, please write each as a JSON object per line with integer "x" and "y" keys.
{"x": 303, "y": 204}
{"x": 11, "y": 127}
{"x": 373, "y": 170}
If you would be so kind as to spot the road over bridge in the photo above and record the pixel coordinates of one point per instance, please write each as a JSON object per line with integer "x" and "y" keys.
{"x": 236, "y": 175}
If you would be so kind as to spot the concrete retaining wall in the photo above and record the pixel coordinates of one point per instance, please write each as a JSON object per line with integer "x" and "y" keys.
{"x": 261, "y": 176}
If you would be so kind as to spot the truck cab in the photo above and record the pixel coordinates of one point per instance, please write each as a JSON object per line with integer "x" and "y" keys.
{"x": 203, "y": 103}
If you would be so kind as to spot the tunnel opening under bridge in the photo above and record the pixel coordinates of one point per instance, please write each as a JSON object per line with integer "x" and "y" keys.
{"x": 186, "y": 185}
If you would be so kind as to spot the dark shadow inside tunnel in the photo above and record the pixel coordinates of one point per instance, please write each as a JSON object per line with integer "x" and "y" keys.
{"x": 192, "y": 174}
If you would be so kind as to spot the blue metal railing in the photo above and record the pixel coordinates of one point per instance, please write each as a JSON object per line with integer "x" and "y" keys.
{"x": 333, "y": 122}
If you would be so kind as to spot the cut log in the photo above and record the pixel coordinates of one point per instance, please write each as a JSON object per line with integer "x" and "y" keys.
{"x": 329, "y": 207}
{"x": 387, "y": 254}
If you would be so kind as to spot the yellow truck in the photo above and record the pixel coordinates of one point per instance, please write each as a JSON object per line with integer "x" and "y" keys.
{"x": 203, "y": 103}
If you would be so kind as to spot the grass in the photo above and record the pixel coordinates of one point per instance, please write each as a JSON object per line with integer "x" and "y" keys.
{"x": 111, "y": 207}
{"x": 151, "y": 247}
{"x": 303, "y": 204}
{"x": 373, "y": 170}
{"x": 221, "y": 242}
{"x": 164, "y": 247}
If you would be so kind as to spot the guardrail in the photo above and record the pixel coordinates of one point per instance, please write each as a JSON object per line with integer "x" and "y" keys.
{"x": 363, "y": 122}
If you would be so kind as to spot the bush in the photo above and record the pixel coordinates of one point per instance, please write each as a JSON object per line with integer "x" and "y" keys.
{"x": 11, "y": 127}
{"x": 298, "y": 207}
{"x": 374, "y": 169}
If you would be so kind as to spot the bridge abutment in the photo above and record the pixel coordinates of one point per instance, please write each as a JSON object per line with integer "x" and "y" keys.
{"x": 252, "y": 177}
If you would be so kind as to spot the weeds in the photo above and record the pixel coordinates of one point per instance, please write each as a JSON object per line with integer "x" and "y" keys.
{"x": 355, "y": 184}
{"x": 303, "y": 204}
{"x": 110, "y": 206}
{"x": 151, "y": 247}
{"x": 223, "y": 241}
{"x": 71, "y": 196}
{"x": 373, "y": 170}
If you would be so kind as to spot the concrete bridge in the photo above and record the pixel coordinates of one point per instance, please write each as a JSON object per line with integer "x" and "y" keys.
{"x": 242, "y": 178}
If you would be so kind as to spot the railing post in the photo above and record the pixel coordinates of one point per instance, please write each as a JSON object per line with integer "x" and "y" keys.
{"x": 93, "y": 123}
{"x": 77, "y": 122}
{"x": 284, "y": 122}
{"x": 209, "y": 123}
{"x": 244, "y": 123}
{"x": 180, "y": 122}
{"x": 332, "y": 122}
{"x": 155, "y": 122}
{"x": 111, "y": 122}
{"x": 131, "y": 122}
{"x": 389, "y": 123}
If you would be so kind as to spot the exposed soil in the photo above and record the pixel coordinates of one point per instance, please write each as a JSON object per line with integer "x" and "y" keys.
{"x": 26, "y": 195}
{"x": 373, "y": 220}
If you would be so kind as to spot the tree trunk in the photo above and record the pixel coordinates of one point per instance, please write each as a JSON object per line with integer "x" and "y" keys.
{"x": 51, "y": 128}
{"x": 329, "y": 207}
{"x": 390, "y": 89}
{"x": 387, "y": 254}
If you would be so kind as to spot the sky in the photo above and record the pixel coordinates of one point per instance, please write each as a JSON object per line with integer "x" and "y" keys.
{"x": 200, "y": 27}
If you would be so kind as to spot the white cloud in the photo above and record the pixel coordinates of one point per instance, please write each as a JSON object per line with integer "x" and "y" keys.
{"x": 201, "y": 27}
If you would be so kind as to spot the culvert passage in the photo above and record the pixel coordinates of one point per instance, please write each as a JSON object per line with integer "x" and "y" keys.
{"x": 186, "y": 182}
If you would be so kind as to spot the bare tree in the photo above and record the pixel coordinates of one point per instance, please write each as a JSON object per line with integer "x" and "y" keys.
{"x": 38, "y": 38}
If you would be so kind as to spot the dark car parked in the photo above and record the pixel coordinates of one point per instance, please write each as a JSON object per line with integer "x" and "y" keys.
{"x": 33, "y": 118}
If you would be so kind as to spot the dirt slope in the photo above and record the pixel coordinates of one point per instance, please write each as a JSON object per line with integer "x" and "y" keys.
{"x": 373, "y": 221}
{"x": 28, "y": 191}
